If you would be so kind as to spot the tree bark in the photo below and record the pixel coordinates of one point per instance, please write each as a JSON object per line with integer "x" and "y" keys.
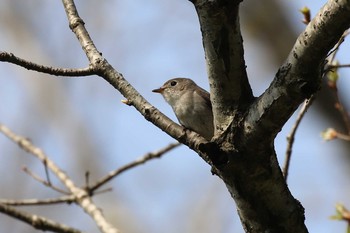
{"x": 230, "y": 91}
{"x": 246, "y": 128}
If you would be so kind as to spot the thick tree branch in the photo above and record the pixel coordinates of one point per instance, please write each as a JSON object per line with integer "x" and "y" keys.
{"x": 230, "y": 91}
{"x": 300, "y": 76}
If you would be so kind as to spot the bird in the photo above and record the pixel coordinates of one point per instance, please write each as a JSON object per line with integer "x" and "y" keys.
{"x": 191, "y": 105}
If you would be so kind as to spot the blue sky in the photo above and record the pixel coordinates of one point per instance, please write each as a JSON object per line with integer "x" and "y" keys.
{"x": 82, "y": 124}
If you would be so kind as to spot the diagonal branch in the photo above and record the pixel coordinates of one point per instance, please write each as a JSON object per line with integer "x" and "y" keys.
{"x": 291, "y": 136}
{"x": 307, "y": 104}
{"x": 300, "y": 76}
{"x": 116, "y": 79}
{"x": 135, "y": 163}
{"x": 36, "y": 221}
{"x": 11, "y": 58}
{"x": 81, "y": 196}
{"x": 44, "y": 182}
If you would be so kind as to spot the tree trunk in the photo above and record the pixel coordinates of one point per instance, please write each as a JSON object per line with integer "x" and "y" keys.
{"x": 242, "y": 151}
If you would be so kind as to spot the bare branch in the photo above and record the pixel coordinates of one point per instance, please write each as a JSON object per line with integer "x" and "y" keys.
{"x": 135, "y": 163}
{"x": 333, "y": 53}
{"x": 344, "y": 137}
{"x": 106, "y": 71}
{"x": 11, "y": 58}
{"x": 308, "y": 102}
{"x": 293, "y": 83}
{"x": 81, "y": 196}
{"x": 44, "y": 182}
{"x": 36, "y": 221}
{"x": 341, "y": 109}
{"x": 64, "y": 199}
{"x": 332, "y": 81}
{"x": 338, "y": 66}
{"x": 330, "y": 134}
{"x": 291, "y": 136}
{"x": 47, "y": 173}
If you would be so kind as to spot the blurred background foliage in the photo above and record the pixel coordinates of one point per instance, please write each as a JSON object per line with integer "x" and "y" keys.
{"x": 83, "y": 126}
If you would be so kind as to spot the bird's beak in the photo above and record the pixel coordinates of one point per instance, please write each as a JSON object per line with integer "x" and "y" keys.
{"x": 159, "y": 90}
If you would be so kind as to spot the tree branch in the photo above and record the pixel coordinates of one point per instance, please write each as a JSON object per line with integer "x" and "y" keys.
{"x": 116, "y": 79}
{"x": 291, "y": 136}
{"x": 50, "y": 201}
{"x": 11, "y": 58}
{"x": 300, "y": 76}
{"x": 230, "y": 91}
{"x": 36, "y": 221}
{"x": 44, "y": 182}
{"x": 81, "y": 196}
{"x": 135, "y": 163}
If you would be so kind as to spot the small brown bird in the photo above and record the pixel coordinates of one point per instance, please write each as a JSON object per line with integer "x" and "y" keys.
{"x": 191, "y": 105}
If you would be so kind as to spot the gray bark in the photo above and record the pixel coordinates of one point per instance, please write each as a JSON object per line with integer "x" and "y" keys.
{"x": 245, "y": 129}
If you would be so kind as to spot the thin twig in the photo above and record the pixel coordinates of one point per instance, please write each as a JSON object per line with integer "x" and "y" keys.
{"x": 338, "y": 66}
{"x": 339, "y": 105}
{"x": 36, "y": 221}
{"x": 336, "y": 48}
{"x": 64, "y": 199}
{"x": 44, "y": 182}
{"x": 342, "y": 110}
{"x": 47, "y": 173}
{"x": 291, "y": 136}
{"x": 345, "y": 137}
{"x": 87, "y": 178}
{"x": 11, "y": 58}
{"x": 128, "y": 166}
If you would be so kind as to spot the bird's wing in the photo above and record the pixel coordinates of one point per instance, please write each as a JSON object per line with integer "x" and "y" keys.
{"x": 205, "y": 95}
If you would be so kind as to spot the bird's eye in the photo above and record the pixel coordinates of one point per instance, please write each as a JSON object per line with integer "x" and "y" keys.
{"x": 173, "y": 83}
